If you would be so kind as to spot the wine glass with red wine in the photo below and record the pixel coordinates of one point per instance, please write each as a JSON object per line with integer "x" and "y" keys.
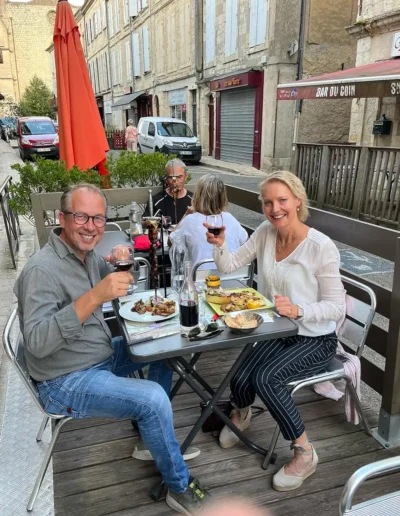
{"x": 166, "y": 222}
{"x": 215, "y": 222}
{"x": 122, "y": 257}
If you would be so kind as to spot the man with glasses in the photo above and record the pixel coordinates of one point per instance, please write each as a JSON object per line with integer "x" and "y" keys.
{"x": 175, "y": 201}
{"x": 79, "y": 369}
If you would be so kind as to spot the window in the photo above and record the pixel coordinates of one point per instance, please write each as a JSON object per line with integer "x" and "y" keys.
{"x": 133, "y": 7}
{"x": 194, "y": 111}
{"x": 146, "y": 53}
{"x": 258, "y": 22}
{"x": 136, "y": 54}
{"x": 116, "y": 15}
{"x": 91, "y": 29}
{"x": 28, "y": 128}
{"x": 128, "y": 59}
{"x": 174, "y": 128}
{"x": 231, "y": 27}
{"x": 152, "y": 130}
{"x": 1, "y": 57}
{"x": 110, "y": 19}
{"x": 210, "y": 31}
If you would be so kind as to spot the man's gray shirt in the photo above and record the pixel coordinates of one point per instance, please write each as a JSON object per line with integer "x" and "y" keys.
{"x": 56, "y": 343}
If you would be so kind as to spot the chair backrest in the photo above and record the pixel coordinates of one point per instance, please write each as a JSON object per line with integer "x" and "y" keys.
{"x": 112, "y": 226}
{"x": 381, "y": 505}
{"x": 15, "y": 353}
{"x": 359, "y": 316}
{"x": 145, "y": 269}
{"x": 244, "y": 273}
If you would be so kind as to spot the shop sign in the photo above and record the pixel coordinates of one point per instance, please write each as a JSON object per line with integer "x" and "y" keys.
{"x": 107, "y": 107}
{"x": 177, "y": 97}
{"x": 396, "y": 45}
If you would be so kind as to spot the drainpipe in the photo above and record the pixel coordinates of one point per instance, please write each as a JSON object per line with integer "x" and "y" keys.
{"x": 198, "y": 38}
{"x": 300, "y": 55}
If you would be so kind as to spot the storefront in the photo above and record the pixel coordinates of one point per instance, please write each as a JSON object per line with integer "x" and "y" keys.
{"x": 177, "y": 101}
{"x": 238, "y": 120}
{"x": 135, "y": 106}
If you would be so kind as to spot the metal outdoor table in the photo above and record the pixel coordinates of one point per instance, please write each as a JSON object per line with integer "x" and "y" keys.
{"x": 173, "y": 348}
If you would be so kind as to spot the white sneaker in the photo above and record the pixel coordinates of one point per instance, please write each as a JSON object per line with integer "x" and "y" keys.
{"x": 227, "y": 438}
{"x": 142, "y": 453}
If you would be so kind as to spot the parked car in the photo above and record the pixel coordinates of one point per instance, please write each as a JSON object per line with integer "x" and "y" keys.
{"x": 8, "y": 128}
{"x": 168, "y": 135}
{"x": 37, "y": 135}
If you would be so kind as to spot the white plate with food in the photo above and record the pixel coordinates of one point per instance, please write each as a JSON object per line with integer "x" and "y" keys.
{"x": 142, "y": 308}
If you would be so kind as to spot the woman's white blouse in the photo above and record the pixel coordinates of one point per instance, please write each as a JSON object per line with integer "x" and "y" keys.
{"x": 309, "y": 276}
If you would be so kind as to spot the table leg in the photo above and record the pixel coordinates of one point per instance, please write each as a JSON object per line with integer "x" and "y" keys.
{"x": 180, "y": 381}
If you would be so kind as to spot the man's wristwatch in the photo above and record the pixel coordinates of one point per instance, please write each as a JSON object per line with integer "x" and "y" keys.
{"x": 300, "y": 312}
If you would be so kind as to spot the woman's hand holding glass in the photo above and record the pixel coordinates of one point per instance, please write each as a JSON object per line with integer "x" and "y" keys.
{"x": 284, "y": 306}
{"x": 213, "y": 239}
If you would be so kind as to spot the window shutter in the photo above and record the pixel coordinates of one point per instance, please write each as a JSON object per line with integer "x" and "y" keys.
{"x": 210, "y": 31}
{"x": 119, "y": 58}
{"x": 231, "y": 27}
{"x": 146, "y": 52}
{"x": 104, "y": 15}
{"x": 144, "y": 4}
{"x": 136, "y": 54}
{"x": 133, "y": 7}
{"x": 258, "y": 22}
{"x": 110, "y": 18}
{"x": 116, "y": 15}
{"x": 126, "y": 11}
{"x": 108, "y": 73}
{"x": 128, "y": 60}
{"x": 113, "y": 70}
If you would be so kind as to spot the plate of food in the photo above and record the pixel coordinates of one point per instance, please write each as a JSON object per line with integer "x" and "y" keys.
{"x": 145, "y": 308}
{"x": 224, "y": 301}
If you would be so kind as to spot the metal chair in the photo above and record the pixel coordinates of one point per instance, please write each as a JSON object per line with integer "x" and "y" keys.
{"x": 359, "y": 316}
{"x": 246, "y": 273}
{"x": 112, "y": 226}
{"x": 386, "y": 504}
{"x": 16, "y": 355}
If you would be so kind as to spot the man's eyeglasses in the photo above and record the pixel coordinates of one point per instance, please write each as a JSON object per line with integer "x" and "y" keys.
{"x": 176, "y": 177}
{"x": 81, "y": 218}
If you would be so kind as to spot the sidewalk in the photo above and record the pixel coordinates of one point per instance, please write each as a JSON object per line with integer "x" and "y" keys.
{"x": 243, "y": 170}
{"x": 20, "y": 455}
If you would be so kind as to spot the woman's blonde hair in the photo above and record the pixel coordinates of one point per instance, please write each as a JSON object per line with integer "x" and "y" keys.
{"x": 210, "y": 196}
{"x": 294, "y": 184}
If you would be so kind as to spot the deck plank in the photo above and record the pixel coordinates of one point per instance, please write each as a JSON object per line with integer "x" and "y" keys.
{"x": 94, "y": 473}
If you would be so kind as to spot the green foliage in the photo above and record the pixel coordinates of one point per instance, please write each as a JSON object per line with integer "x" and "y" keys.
{"x": 45, "y": 175}
{"x": 36, "y": 99}
{"x": 129, "y": 169}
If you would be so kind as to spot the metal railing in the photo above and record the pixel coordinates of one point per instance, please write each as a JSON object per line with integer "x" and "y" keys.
{"x": 10, "y": 220}
{"x": 363, "y": 182}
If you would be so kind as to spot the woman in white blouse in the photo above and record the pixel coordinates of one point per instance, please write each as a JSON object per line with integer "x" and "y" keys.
{"x": 208, "y": 199}
{"x": 298, "y": 268}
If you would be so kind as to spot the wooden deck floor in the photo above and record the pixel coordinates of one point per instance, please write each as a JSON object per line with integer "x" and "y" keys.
{"x": 95, "y": 475}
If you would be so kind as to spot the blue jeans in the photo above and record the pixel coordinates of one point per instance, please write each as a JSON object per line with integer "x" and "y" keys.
{"x": 104, "y": 391}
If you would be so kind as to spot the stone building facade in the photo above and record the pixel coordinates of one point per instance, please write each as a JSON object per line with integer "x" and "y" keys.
{"x": 26, "y": 31}
{"x": 376, "y": 32}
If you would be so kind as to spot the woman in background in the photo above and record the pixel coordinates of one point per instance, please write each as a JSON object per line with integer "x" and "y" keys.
{"x": 131, "y": 137}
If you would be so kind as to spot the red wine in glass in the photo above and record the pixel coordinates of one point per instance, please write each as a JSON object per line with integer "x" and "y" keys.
{"x": 124, "y": 265}
{"x": 216, "y": 222}
{"x": 166, "y": 222}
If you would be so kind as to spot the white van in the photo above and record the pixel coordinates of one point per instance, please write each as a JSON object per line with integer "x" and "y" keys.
{"x": 168, "y": 135}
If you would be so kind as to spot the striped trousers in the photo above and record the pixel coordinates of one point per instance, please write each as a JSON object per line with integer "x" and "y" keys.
{"x": 274, "y": 363}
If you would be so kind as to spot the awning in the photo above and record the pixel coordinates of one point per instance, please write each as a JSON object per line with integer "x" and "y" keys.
{"x": 124, "y": 102}
{"x": 373, "y": 80}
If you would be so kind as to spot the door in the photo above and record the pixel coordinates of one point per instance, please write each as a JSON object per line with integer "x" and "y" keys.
{"x": 142, "y": 137}
{"x": 237, "y": 125}
{"x": 210, "y": 129}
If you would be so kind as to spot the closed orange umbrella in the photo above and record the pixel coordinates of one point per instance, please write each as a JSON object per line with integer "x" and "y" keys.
{"x": 82, "y": 139}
